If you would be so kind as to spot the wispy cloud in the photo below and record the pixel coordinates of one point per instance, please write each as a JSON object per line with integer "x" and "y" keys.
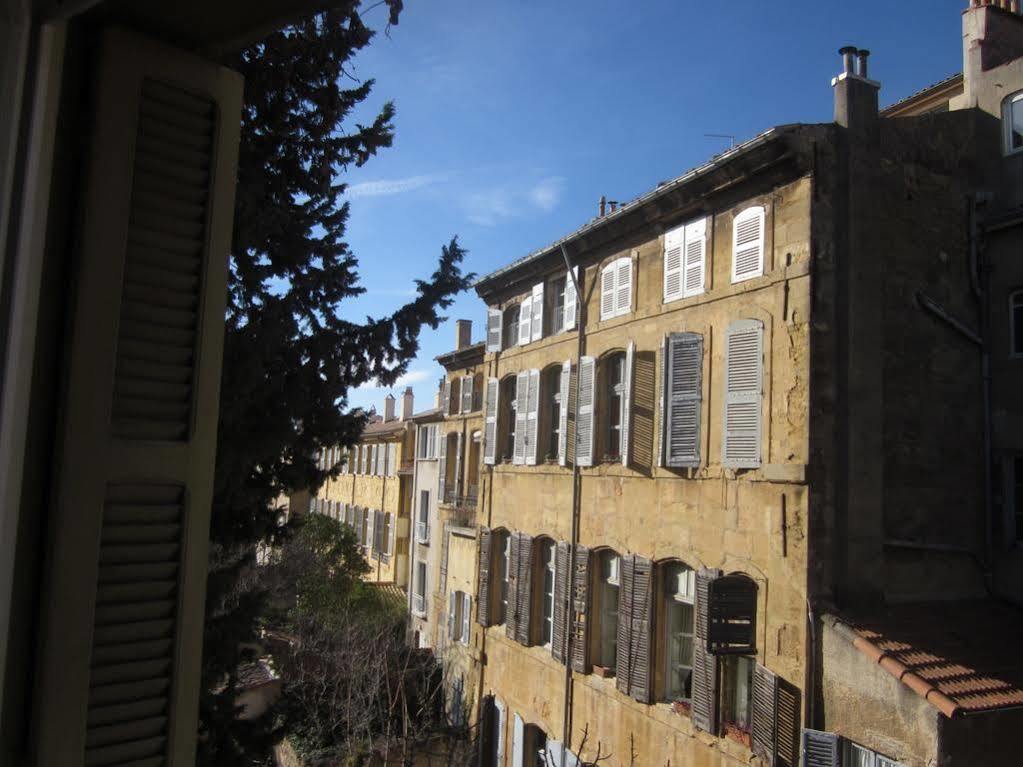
{"x": 546, "y": 193}
{"x": 411, "y": 378}
{"x": 494, "y": 205}
{"x": 387, "y": 187}
{"x": 489, "y": 206}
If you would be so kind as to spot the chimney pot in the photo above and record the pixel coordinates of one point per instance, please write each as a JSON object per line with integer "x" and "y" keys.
{"x": 862, "y": 55}
{"x": 463, "y": 334}
{"x": 847, "y": 52}
{"x": 389, "y": 408}
{"x": 407, "y": 401}
{"x": 602, "y": 206}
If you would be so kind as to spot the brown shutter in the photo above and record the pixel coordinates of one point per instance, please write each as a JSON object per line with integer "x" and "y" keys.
{"x": 580, "y": 611}
{"x": 511, "y": 616}
{"x": 523, "y": 624}
{"x": 732, "y": 615}
{"x": 705, "y": 668}
{"x": 562, "y": 590}
{"x": 764, "y": 715}
{"x": 623, "y": 656}
{"x": 483, "y": 577}
{"x": 640, "y": 664}
{"x": 786, "y": 746}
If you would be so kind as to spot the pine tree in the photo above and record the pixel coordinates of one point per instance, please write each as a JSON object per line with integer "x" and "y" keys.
{"x": 289, "y": 359}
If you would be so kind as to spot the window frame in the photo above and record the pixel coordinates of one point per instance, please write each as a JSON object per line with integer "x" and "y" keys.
{"x": 423, "y": 525}
{"x": 509, "y": 327}
{"x": 544, "y": 600}
{"x": 599, "y": 612}
{"x": 1011, "y": 104}
{"x": 610, "y": 391}
{"x": 728, "y": 699}
{"x": 669, "y": 599}
{"x": 507, "y": 402}
{"x": 419, "y": 590}
{"x": 550, "y": 391}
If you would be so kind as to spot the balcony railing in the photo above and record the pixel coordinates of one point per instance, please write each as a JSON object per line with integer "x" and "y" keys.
{"x": 466, "y": 500}
{"x": 418, "y": 603}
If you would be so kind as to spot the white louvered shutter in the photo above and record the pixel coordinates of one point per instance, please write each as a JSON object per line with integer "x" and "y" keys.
{"x": 533, "y": 417}
{"x": 494, "y": 328}
{"x": 458, "y": 464}
{"x": 748, "y": 244}
{"x": 490, "y": 422}
{"x": 571, "y": 300}
{"x": 536, "y": 327}
{"x": 695, "y": 258}
{"x": 466, "y": 387}
{"x": 674, "y": 243}
{"x": 584, "y": 416}
{"x": 521, "y": 416}
{"x": 365, "y": 460}
{"x": 452, "y": 614}
{"x": 525, "y": 320}
{"x": 630, "y": 357}
{"x": 519, "y": 742}
{"x": 119, "y": 663}
{"x": 355, "y": 460}
{"x": 442, "y": 467}
{"x": 623, "y": 286}
{"x": 683, "y": 385}
{"x": 661, "y": 402}
{"x": 445, "y": 397}
{"x": 743, "y": 390}
{"x": 607, "y": 291}
{"x": 566, "y": 388}
{"x": 466, "y": 617}
{"x": 392, "y": 526}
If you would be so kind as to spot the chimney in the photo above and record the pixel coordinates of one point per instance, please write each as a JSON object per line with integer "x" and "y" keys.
{"x": 406, "y": 404}
{"x": 463, "y": 334}
{"x": 602, "y": 206}
{"x": 388, "y": 408}
{"x": 992, "y": 36}
{"x": 856, "y": 95}
{"x": 440, "y": 393}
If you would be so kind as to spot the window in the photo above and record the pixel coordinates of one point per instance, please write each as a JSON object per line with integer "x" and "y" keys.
{"x": 427, "y": 448}
{"x": 510, "y": 327}
{"x": 553, "y": 398}
{"x": 748, "y": 244}
{"x": 423, "y": 522}
{"x": 419, "y": 590}
{"x": 606, "y": 596}
{"x": 459, "y": 614}
{"x": 744, "y": 363}
{"x": 546, "y": 593}
{"x": 536, "y": 747}
{"x": 679, "y": 593}
{"x": 685, "y": 250}
{"x": 558, "y": 285}
{"x": 1012, "y": 117}
{"x": 614, "y": 400}
{"x": 856, "y": 755}
{"x": 616, "y": 289}
{"x": 508, "y": 405}
{"x": 736, "y": 692}
{"x": 1016, "y": 322}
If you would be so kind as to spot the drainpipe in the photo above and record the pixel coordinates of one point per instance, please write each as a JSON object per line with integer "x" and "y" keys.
{"x": 569, "y": 615}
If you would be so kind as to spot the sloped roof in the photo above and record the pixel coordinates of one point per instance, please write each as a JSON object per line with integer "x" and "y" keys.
{"x": 962, "y": 657}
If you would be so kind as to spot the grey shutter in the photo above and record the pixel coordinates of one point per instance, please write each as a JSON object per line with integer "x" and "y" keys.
{"x": 662, "y": 408}
{"x": 483, "y": 577}
{"x": 704, "y": 709}
{"x": 511, "y": 615}
{"x": 536, "y": 321}
{"x": 458, "y": 466}
{"x": 494, "y": 328}
{"x": 787, "y": 720}
{"x": 683, "y": 387}
{"x": 580, "y": 610}
{"x": 584, "y": 416}
{"x": 466, "y": 394}
{"x": 820, "y": 749}
{"x": 371, "y": 528}
{"x": 144, "y": 365}
{"x": 445, "y": 397}
{"x": 630, "y": 358}
{"x": 490, "y": 422}
{"x": 521, "y": 412}
{"x": 743, "y": 394}
{"x": 640, "y": 664}
{"x": 565, "y": 394}
{"x": 571, "y": 300}
{"x": 732, "y": 615}
{"x": 532, "y": 417}
{"x": 764, "y": 714}
{"x": 523, "y": 628}
{"x": 562, "y": 590}
{"x": 442, "y": 467}
{"x": 623, "y": 657}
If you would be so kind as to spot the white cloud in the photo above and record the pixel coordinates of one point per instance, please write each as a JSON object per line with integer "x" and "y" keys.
{"x": 490, "y": 206}
{"x": 411, "y": 378}
{"x": 546, "y": 193}
{"x": 386, "y": 187}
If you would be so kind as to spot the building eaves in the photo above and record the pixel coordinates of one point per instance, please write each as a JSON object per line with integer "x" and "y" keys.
{"x": 383, "y": 428}
{"x": 433, "y": 414}
{"x": 462, "y": 358}
{"x": 948, "y": 85}
{"x": 661, "y": 190}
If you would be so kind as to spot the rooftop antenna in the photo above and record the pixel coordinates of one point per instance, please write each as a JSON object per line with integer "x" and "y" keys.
{"x": 722, "y": 135}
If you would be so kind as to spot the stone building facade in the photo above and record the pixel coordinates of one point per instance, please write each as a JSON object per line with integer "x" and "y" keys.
{"x": 746, "y": 446}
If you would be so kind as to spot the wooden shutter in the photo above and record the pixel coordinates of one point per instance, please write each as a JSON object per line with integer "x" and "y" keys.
{"x": 518, "y": 743}
{"x": 580, "y": 610}
{"x": 820, "y": 749}
{"x": 584, "y": 412}
{"x": 662, "y": 407}
{"x": 523, "y": 632}
{"x": 119, "y": 663}
{"x": 494, "y": 328}
{"x": 392, "y": 459}
{"x": 748, "y": 244}
{"x": 458, "y": 465}
{"x": 732, "y": 615}
{"x": 623, "y": 656}
{"x": 391, "y": 533}
{"x": 630, "y": 358}
{"x": 571, "y": 300}
{"x": 487, "y": 746}
{"x": 674, "y": 242}
{"x": 705, "y": 665}
{"x": 684, "y": 391}
{"x": 445, "y": 397}
{"x": 532, "y": 417}
{"x": 490, "y": 422}
{"x": 566, "y": 388}
{"x": 536, "y": 322}
{"x": 483, "y": 577}
{"x": 743, "y": 394}
{"x": 695, "y": 258}
{"x": 467, "y": 394}
{"x": 442, "y": 468}
{"x": 640, "y": 660}
{"x": 607, "y": 291}
{"x": 511, "y": 615}
{"x": 623, "y": 286}
{"x": 559, "y": 633}
{"x": 521, "y": 415}
{"x": 525, "y": 320}
{"x": 452, "y": 615}
{"x": 764, "y": 714}
{"x": 466, "y": 617}
{"x": 371, "y": 529}
{"x": 787, "y": 720}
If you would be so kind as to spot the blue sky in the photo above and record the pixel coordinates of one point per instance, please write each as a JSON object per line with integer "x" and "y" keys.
{"x": 514, "y": 117}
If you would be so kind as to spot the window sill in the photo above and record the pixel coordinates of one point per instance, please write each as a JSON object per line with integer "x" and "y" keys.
{"x": 736, "y": 733}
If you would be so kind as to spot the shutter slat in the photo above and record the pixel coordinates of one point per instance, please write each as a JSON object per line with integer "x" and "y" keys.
{"x": 494, "y": 328}
{"x": 623, "y": 286}
{"x": 748, "y": 244}
{"x": 683, "y": 387}
{"x": 630, "y": 356}
{"x": 584, "y": 412}
{"x": 607, "y": 292}
{"x": 673, "y": 246}
{"x": 764, "y": 714}
{"x": 743, "y": 394}
{"x": 787, "y": 725}
{"x": 483, "y": 577}
{"x": 536, "y": 320}
{"x": 704, "y": 687}
{"x": 623, "y": 659}
{"x": 525, "y": 320}
{"x": 511, "y": 617}
{"x": 490, "y": 422}
{"x": 523, "y": 628}
{"x": 695, "y": 258}
{"x": 559, "y": 635}
{"x": 580, "y": 610}
{"x": 640, "y": 662}
{"x": 820, "y": 749}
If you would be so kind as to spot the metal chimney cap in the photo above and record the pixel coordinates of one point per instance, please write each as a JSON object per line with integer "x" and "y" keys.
{"x": 847, "y": 49}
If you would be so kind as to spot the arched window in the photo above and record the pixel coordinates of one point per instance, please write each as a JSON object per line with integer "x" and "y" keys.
{"x": 1012, "y": 118}
{"x": 678, "y": 590}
